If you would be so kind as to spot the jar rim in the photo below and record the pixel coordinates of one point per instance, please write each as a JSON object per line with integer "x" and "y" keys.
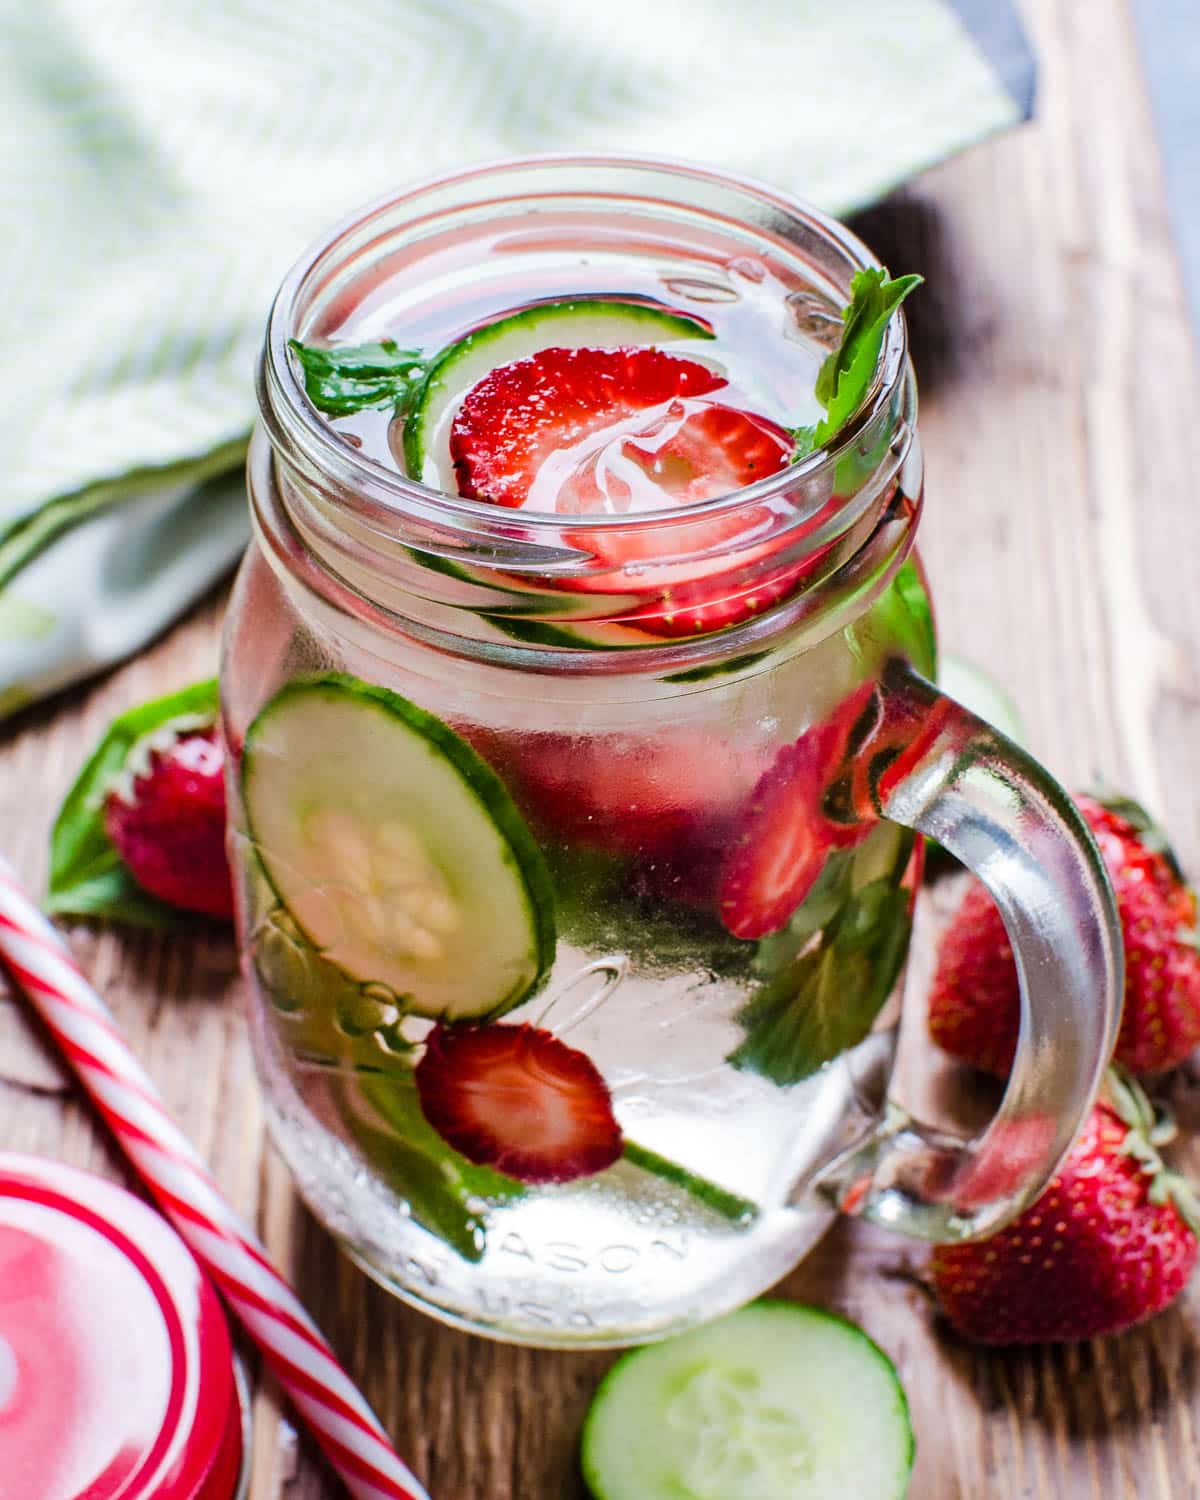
{"x": 381, "y": 490}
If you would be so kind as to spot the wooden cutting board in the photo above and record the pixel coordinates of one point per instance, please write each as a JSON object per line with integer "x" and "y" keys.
{"x": 1060, "y": 401}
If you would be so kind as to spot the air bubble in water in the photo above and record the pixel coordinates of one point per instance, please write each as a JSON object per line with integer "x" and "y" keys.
{"x": 701, "y": 289}
{"x": 749, "y": 268}
{"x": 392, "y": 1039}
{"x": 814, "y": 319}
{"x": 365, "y": 1010}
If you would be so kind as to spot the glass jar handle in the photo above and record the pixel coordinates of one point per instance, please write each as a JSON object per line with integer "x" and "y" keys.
{"x": 963, "y": 783}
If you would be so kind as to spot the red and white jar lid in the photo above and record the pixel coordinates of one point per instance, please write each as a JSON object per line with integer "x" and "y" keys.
{"x": 117, "y": 1377}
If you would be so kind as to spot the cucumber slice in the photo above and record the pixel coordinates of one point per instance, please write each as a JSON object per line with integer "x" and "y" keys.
{"x": 775, "y": 1402}
{"x": 396, "y": 850}
{"x": 582, "y": 324}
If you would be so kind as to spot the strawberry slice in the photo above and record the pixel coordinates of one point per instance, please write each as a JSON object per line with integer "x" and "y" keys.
{"x": 889, "y": 742}
{"x": 702, "y": 606}
{"x": 694, "y": 450}
{"x": 515, "y": 1098}
{"x": 524, "y": 414}
{"x": 630, "y": 431}
{"x": 789, "y": 834}
{"x": 625, "y": 794}
{"x": 167, "y": 822}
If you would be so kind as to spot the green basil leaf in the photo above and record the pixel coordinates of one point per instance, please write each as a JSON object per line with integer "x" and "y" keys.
{"x": 909, "y": 613}
{"x": 356, "y": 377}
{"x": 805, "y": 440}
{"x": 396, "y": 1099}
{"x": 435, "y": 1198}
{"x": 443, "y": 1190}
{"x": 845, "y": 377}
{"x": 87, "y": 876}
{"x": 727, "y": 1205}
{"x": 826, "y": 1000}
{"x": 827, "y": 898}
{"x": 372, "y": 1087}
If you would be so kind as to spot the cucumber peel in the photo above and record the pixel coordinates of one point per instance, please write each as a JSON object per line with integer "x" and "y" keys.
{"x": 588, "y": 322}
{"x": 777, "y": 1401}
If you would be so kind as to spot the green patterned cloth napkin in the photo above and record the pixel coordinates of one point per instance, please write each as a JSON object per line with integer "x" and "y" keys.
{"x": 166, "y": 160}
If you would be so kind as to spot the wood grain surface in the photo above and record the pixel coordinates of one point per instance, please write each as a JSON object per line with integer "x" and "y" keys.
{"x": 1060, "y": 400}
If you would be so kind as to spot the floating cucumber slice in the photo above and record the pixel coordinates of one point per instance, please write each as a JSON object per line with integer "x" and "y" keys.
{"x": 582, "y": 324}
{"x": 396, "y": 850}
{"x": 775, "y": 1402}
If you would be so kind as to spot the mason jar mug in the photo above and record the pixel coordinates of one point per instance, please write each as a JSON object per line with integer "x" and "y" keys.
{"x": 576, "y": 853}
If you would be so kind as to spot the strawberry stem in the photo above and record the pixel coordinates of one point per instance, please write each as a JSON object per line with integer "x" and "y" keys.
{"x": 737, "y": 1210}
{"x": 1182, "y": 1194}
{"x": 1151, "y": 834}
{"x": 1188, "y": 936}
{"x": 1149, "y": 1128}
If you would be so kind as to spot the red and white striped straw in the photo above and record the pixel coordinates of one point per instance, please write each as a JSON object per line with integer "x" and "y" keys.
{"x": 306, "y": 1367}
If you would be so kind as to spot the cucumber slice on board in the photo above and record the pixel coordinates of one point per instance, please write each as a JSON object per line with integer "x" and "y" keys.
{"x": 775, "y": 1402}
{"x": 586, "y": 323}
{"x": 396, "y": 850}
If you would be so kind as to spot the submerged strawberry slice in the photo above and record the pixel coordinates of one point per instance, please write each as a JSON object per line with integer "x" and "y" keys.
{"x": 788, "y": 834}
{"x": 700, "y": 606}
{"x": 168, "y": 823}
{"x": 650, "y": 796}
{"x": 724, "y": 449}
{"x": 515, "y": 1098}
{"x": 690, "y": 450}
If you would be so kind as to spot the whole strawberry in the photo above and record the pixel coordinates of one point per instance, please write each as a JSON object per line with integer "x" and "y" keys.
{"x": 1109, "y": 1243}
{"x": 166, "y": 818}
{"x": 974, "y": 1005}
